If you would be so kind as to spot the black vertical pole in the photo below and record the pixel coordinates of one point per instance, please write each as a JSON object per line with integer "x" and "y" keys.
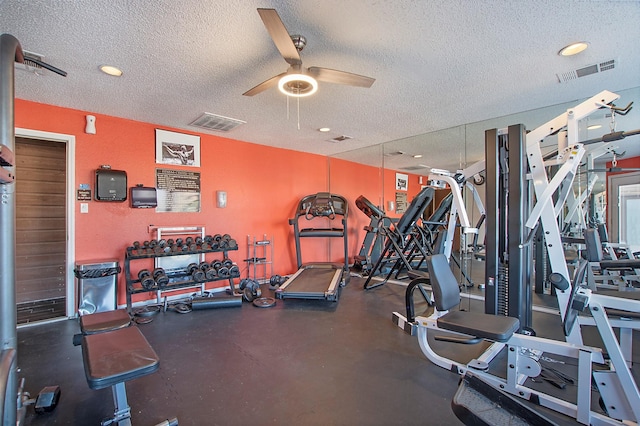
{"x": 492, "y": 207}
{"x": 519, "y": 304}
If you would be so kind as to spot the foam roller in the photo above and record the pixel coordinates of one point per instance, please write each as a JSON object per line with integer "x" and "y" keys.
{"x": 200, "y": 303}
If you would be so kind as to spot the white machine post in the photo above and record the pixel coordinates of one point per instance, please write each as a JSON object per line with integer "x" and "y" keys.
{"x": 545, "y": 210}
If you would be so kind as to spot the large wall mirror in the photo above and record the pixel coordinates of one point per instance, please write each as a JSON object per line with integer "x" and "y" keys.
{"x": 612, "y": 191}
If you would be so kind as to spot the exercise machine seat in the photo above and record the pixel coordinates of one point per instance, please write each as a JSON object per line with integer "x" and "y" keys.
{"x": 594, "y": 253}
{"x": 104, "y": 321}
{"x": 491, "y": 327}
{"x": 117, "y": 356}
{"x": 446, "y": 294}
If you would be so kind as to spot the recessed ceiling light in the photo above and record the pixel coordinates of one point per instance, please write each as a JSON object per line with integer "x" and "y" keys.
{"x": 111, "y": 70}
{"x": 417, "y": 156}
{"x": 324, "y": 129}
{"x": 573, "y": 48}
{"x": 594, "y": 126}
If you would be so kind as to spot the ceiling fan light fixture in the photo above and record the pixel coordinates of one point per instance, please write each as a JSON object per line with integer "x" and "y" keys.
{"x": 298, "y": 85}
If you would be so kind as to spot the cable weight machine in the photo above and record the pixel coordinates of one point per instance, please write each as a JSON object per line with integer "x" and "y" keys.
{"x": 508, "y": 198}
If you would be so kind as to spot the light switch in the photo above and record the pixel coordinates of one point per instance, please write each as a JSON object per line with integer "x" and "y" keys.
{"x": 84, "y": 207}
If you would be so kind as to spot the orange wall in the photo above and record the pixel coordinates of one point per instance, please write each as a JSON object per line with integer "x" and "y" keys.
{"x": 263, "y": 186}
{"x": 633, "y": 162}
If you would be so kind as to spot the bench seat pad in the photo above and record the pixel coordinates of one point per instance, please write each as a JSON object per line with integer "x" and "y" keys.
{"x": 117, "y": 356}
{"x": 498, "y": 328}
{"x": 104, "y": 321}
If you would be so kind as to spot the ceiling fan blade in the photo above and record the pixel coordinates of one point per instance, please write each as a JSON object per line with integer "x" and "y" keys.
{"x": 264, "y": 85}
{"x": 340, "y": 77}
{"x": 280, "y": 36}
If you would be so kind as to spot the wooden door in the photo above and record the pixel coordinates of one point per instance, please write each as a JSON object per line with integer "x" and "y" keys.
{"x": 40, "y": 229}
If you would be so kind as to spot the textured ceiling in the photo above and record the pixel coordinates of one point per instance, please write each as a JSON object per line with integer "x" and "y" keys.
{"x": 437, "y": 64}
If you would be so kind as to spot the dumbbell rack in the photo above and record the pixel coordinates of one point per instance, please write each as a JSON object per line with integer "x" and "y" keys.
{"x": 177, "y": 279}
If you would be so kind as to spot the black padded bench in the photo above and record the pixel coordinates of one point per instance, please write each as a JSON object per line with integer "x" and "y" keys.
{"x": 101, "y": 322}
{"x": 113, "y": 358}
{"x": 104, "y": 321}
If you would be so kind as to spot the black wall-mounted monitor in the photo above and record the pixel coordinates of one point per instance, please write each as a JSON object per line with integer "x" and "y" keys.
{"x": 143, "y": 197}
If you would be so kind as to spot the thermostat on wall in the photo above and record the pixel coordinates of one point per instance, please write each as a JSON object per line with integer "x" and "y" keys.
{"x": 111, "y": 185}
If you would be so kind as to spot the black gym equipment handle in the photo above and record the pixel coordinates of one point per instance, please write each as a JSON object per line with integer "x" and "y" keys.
{"x": 47, "y": 66}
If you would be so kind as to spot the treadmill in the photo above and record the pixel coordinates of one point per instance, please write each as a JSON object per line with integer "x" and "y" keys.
{"x": 319, "y": 281}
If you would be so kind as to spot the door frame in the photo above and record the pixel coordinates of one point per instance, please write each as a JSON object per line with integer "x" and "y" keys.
{"x": 70, "y": 141}
{"x": 613, "y": 209}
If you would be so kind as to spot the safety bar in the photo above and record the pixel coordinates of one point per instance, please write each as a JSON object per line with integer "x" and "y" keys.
{"x": 7, "y": 359}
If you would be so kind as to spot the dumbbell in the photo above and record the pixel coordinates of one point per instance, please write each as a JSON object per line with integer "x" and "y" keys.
{"x": 221, "y": 270}
{"x": 209, "y": 272}
{"x": 275, "y": 281}
{"x": 146, "y": 280}
{"x": 196, "y": 273}
{"x": 234, "y": 270}
{"x": 160, "y": 276}
{"x": 224, "y": 241}
{"x": 250, "y": 289}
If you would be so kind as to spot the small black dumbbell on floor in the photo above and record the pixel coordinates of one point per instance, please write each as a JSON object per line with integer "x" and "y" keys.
{"x": 160, "y": 276}
{"x": 196, "y": 273}
{"x": 146, "y": 280}
{"x": 250, "y": 289}
{"x": 275, "y": 281}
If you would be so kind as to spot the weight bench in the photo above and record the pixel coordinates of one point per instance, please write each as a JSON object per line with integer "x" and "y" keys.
{"x": 114, "y": 352}
{"x": 101, "y": 322}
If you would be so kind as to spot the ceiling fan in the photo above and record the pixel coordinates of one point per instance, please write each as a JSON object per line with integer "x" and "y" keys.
{"x": 298, "y": 81}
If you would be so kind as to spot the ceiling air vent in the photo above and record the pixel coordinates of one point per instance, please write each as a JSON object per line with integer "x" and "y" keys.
{"x": 340, "y": 139}
{"x": 585, "y": 71}
{"x": 413, "y": 168}
{"x": 216, "y": 122}
{"x": 28, "y": 64}
{"x": 393, "y": 153}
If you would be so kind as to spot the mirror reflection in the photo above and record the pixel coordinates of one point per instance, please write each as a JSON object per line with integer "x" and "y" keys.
{"x": 606, "y": 187}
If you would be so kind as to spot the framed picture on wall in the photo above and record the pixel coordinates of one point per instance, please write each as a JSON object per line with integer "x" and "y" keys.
{"x": 402, "y": 182}
{"x": 177, "y": 148}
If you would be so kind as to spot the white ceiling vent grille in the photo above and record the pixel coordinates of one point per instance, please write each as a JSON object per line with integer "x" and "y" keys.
{"x": 28, "y": 64}
{"x": 413, "y": 168}
{"x": 340, "y": 138}
{"x": 585, "y": 71}
{"x": 216, "y": 122}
